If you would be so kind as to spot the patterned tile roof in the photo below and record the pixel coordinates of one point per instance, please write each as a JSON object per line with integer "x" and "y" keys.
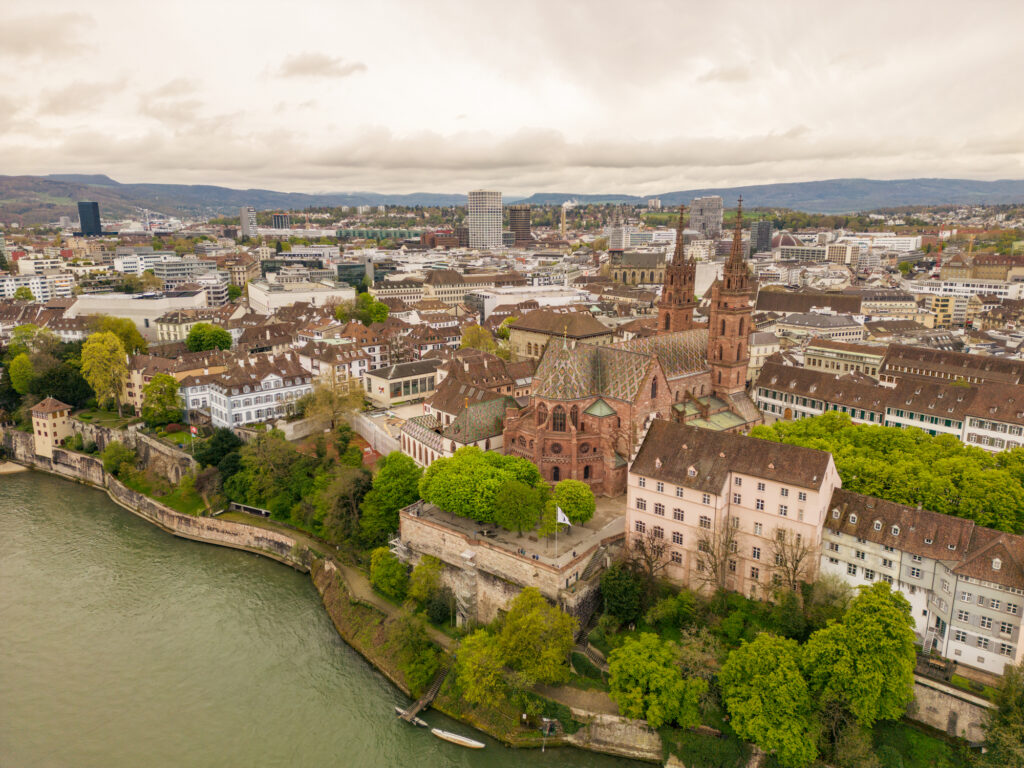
{"x": 680, "y": 353}
{"x": 574, "y": 372}
{"x": 479, "y": 421}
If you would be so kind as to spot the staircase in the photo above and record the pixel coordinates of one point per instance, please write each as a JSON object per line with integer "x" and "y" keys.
{"x": 594, "y": 564}
{"x": 429, "y": 696}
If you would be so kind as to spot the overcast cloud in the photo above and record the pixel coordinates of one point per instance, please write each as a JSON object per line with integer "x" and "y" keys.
{"x": 589, "y": 96}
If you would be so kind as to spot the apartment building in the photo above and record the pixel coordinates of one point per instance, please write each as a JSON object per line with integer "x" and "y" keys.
{"x": 733, "y": 511}
{"x": 409, "y": 290}
{"x": 964, "y": 582}
{"x": 403, "y": 382}
{"x": 844, "y": 357}
{"x": 255, "y": 389}
{"x": 809, "y": 325}
{"x": 44, "y": 287}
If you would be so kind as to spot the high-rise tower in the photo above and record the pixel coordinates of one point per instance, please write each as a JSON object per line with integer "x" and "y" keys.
{"x": 483, "y": 217}
{"x": 729, "y": 323}
{"x": 89, "y": 218}
{"x": 675, "y": 308}
{"x": 247, "y": 221}
{"x": 519, "y": 223}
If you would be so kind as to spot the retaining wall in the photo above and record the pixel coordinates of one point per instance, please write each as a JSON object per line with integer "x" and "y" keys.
{"x": 616, "y": 735}
{"x": 948, "y": 709}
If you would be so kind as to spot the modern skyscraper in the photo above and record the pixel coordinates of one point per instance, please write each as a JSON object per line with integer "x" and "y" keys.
{"x": 484, "y": 219}
{"x": 519, "y": 223}
{"x": 761, "y": 236}
{"x": 89, "y": 218}
{"x": 706, "y": 215}
{"x": 282, "y": 221}
{"x": 248, "y": 221}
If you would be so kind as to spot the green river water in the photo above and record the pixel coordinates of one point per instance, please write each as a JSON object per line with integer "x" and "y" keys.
{"x": 122, "y": 646}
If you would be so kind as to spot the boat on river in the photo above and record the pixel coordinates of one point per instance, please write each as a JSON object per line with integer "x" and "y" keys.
{"x": 415, "y": 721}
{"x": 455, "y": 738}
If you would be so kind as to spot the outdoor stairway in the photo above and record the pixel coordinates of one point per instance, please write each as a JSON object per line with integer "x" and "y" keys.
{"x": 594, "y": 564}
{"x": 427, "y": 697}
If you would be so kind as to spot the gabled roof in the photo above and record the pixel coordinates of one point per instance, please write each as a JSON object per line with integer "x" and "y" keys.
{"x": 679, "y": 353}
{"x": 574, "y": 372}
{"x": 600, "y": 409}
{"x": 50, "y": 405}
{"x": 576, "y": 325}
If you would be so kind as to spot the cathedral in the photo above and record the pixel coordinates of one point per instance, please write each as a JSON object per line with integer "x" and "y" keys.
{"x": 590, "y": 404}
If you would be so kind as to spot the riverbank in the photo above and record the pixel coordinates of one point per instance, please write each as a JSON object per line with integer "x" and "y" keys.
{"x": 10, "y": 468}
{"x": 361, "y": 626}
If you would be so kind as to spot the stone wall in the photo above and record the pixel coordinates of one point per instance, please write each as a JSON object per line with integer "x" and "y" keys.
{"x": 169, "y": 462}
{"x": 615, "y": 735}
{"x": 78, "y": 466}
{"x": 20, "y": 446}
{"x": 948, "y": 709}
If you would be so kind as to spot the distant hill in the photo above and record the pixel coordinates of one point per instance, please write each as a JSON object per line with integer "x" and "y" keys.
{"x": 42, "y": 199}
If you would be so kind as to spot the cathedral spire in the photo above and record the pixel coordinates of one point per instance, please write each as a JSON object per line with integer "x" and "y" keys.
{"x": 679, "y": 255}
{"x": 676, "y": 305}
{"x": 736, "y": 255}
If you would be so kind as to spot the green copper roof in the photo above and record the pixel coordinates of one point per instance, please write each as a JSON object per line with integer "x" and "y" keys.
{"x": 600, "y": 408}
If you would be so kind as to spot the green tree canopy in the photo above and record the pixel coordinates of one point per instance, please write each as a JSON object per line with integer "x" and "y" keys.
{"x": 160, "y": 403}
{"x": 124, "y": 329}
{"x": 388, "y": 574}
{"x": 105, "y": 366}
{"x": 117, "y": 457}
{"x": 205, "y": 336}
{"x": 768, "y": 699}
{"x": 865, "y": 664}
{"x": 1004, "y": 726}
{"x": 395, "y": 485}
{"x": 646, "y": 684}
{"x": 22, "y": 373}
{"x": 479, "y": 669}
{"x": 64, "y": 382}
{"x": 517, "y": 506}
{"x": 425, "y": 580}
{"x": 576, "y": 500}
{"x": 23, "y": 293}
{"x": 622, "y": 591}
{"x": 536, "y": 638}
{"x": 234, "y": 293}
{"x": 222, "y": 442}
{"x": 478, "y": 337}
{"x": 365, "y": 309}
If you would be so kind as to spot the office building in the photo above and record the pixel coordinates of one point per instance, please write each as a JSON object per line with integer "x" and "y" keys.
{"x": 89, "y": 218}
{"x": 519, "y": 223}
{"x": 247, "y": 218}
{"x": 282, "y": 221}
{"x": 484, "y": 219}
{"x": 761, "y": 236}
{"x": 706, "y": 215}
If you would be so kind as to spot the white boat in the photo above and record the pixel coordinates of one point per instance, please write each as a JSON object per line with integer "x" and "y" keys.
{"x": 415, "y": 721}
{"x": 454, "y": 738}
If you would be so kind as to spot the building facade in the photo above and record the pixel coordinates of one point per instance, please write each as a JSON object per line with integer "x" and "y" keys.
{"x": 484, "y": 219}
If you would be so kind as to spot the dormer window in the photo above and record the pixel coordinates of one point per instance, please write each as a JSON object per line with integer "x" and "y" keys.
{"x": 691, "y": 471}
{"x": 878, "y": 525}
{"x": 853, "y": 518}
{"x": 835, "y": 514}
{"x": 929, "y": 541}
{"x": 895, "y": 530}
{"x": 996, "y": 563}
{"x": 951, "y": 547}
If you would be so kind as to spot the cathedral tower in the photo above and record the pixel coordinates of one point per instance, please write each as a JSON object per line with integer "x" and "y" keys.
{"x": 729, "y": 323}
{"x": 675, "y": 308}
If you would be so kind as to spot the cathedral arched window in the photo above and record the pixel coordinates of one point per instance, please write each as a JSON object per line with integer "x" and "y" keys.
{"x": 723, "y": 326}
{"x": 558, "y": 419}
{"x": 555, "y": 474}
{"x": 574, "y": 416}
{"x": 654, "y": 388}
{"x": 542, "y": 414}
{"x": 668, "y": 321}
{"x": 741, "y": 326}
{"x": 586, "y": 472}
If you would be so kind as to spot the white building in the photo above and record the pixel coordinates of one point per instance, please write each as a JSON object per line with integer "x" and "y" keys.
{"x": 484, "y": 219}
{"x": 265, "y": 298}
{"x": 247, "y": 217}
{"x": 257, "y": 388}
{"x": 141, "y": 309}
{"x": 43, "y": 287}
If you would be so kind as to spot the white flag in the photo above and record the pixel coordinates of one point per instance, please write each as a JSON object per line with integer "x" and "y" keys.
{"x": 561, "y": 517}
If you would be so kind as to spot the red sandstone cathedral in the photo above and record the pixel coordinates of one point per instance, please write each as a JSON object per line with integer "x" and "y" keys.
{"x": 591, "y": 404}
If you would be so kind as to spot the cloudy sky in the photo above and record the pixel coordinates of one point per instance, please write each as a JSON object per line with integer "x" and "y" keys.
{"x": 443, "y": 95}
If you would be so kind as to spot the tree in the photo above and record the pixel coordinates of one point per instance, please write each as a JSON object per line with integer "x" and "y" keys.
{"x": 622, "y": 592}
{"x": 417, "y": 657}
{"x": 905, "y": 267}
{"x": 715, "y": 548}
{"x": 365, "y": 309}
{"x": 425, "y": 579}
{"x": 865, "y": 664}
{"x": 234, "y": 293}
{"x": 790, "y": 558}
{"x": 648, "y": 555}
{"x": 330, "y": 402}
{"x": 1004, "y": 725}
{"x": 205, "y": 336}
{"x": 64, "y": 382}
{"x": 337, "y": 501}
{"x": 575, "y": 499}
{"x": 388, "y": 574}
{"x": 769, "y": 701}
{"x": 646, "y": 684}
{"x": 117, "y": 458}
{"x": 160, "y": 400}
{"x": 396, "y": 485}
{"x": 479, "y": 669}
{"x": 105, "y": 366}
{"x": 22, "y": 373}
{"x": 23, "y": 293}
{"x": 517, "y": 506}
{"x": 536, "y": 638}
{"x": 478, "y": 337}
{"x": 222, "y": 442}
{"x": 124, "y": 329}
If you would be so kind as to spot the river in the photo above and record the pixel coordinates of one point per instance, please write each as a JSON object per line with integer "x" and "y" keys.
{"x": 122, "y": 646}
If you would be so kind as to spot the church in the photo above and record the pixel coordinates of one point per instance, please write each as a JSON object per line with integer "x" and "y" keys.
{"x": 591, "y": 404}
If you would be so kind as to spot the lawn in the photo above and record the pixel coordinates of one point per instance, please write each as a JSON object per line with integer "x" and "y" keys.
{"x": 902, "y": 745}
{"x": 108, "y": 419}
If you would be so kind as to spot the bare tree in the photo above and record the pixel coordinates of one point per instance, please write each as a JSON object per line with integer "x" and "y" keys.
{"x": 648, "y": 554}
{"x": 716, "y": 553}
{"x": 792, "y": 558}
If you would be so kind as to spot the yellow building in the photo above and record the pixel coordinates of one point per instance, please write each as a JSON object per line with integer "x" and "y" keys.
{"x": 51, "y": 423}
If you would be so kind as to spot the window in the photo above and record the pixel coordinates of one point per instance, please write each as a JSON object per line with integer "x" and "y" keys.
{"x": 994, "y": 604}
{"x": 659, "y": 487}
{"x": 945, "y": 586}
{"x": 802, "y": 496}
{"x": 738, "y": 482}
{"x": 833, "y": 547}
{"x": 677, "y": 514}
{"x": 640, "y": 526}
{"x": 737, "y": 499}
{"x": 1006, "y": 649}
{"x": 985, "y": 622}
{"x": 1012, "y": 608}
{"x": 963, "y": 615}
{"x": 959, "y": 636}
{"x": 853, "y": 518}
{"x": 783, "y": 510}
{"x": 760, "y": 486}
{"x": 676, "y": 557}
{"x": 756, "y": 553}
{"x": 1005, "y": 628}
{"x": 732, "y": 547}
{"x": 915, "y": 573}
{"x": 677, "y": 537}
{"x": 878, "y": 525}
{"x": 859, "y": 554}
{"x": 895, "y": 530}
{"x": 691, "y": 471}
{"x": 888, "y": 548}
{"x": 641, "y": 504}
{"x": 784, "y": 491}
{"x": 916, "y": 558}
{"x": 755, "y": 573}
{"x": 966, "y": 597}
{"x": 658, "y": 532}
{"x": 642, "y": 482}
{"x": 659, "y": 509}
{"x": 983, "y": 642}
{"x": 757, "y": 529}
{"x": 732, "y": 566}
{"x": 679, "y": 492}
{"x": 869, "y": 574}
{"x": 887, "y": 578}
{"x": 558, "y": 419}
{"x": 703, "y": 546}
{"x": 705, "y": 521}
{"x": 759, "y": 504}
{"x": 735, "y": 522}
{"x": 851, "y": 569}
{"x": 886, "y": 563}
{"x": 705, "y": 499}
